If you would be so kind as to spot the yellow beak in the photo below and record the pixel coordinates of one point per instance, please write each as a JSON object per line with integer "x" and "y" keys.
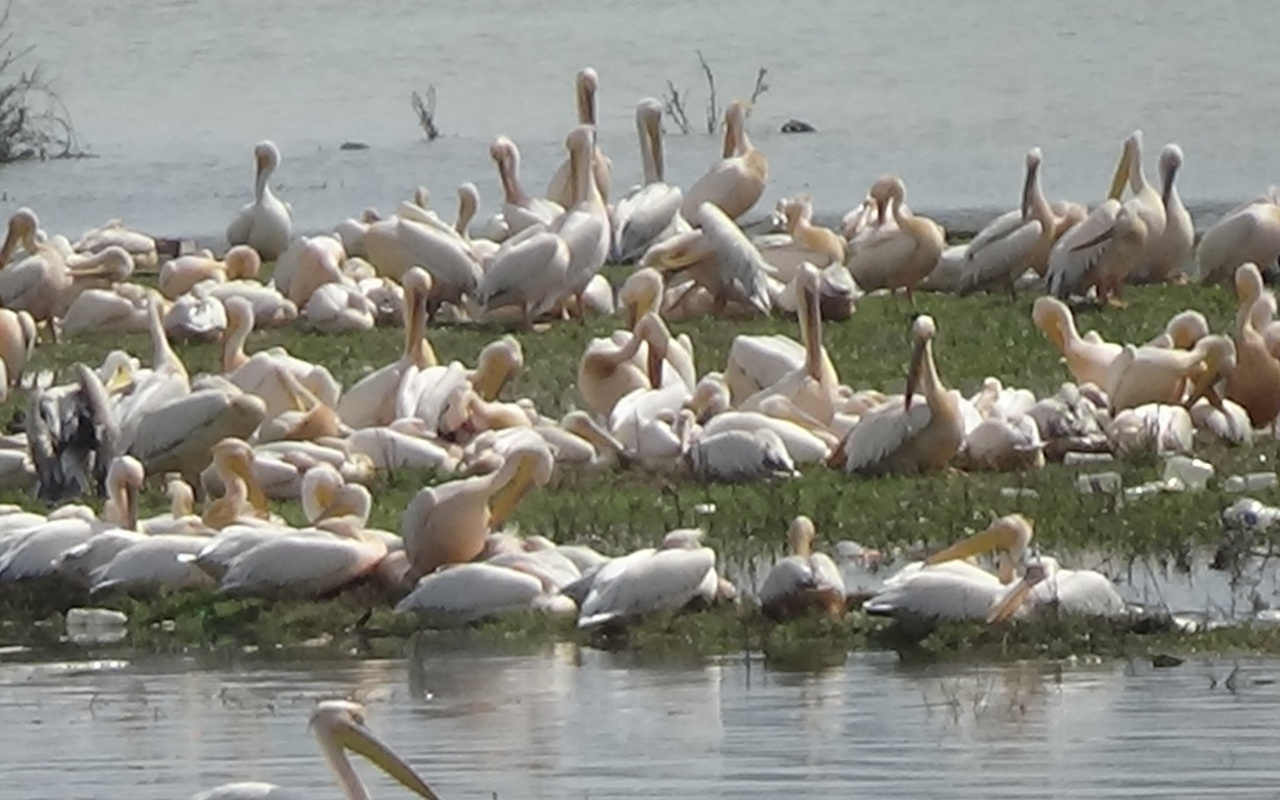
{"x": 1010, "y": 603}
{"x": 1121, "y": 176}
{"x": 359, "y": 739}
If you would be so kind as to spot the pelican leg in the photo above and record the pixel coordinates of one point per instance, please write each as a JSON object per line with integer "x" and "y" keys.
{"x": 684, "y": 296}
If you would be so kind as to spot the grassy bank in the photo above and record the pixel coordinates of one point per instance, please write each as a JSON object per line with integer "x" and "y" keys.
{"x": 978, "y": 337}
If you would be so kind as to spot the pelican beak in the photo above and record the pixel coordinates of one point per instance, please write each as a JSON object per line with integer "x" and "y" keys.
{"x": 913, "y": 372}
{"x": 882, "y": 207}
{"x": 598, "y": 436}
{"x": 1026, "y": 189}
{"x": 359, "y": 739}
{"x": 490, "y": 382}
{"x": 120, "y": 380}
{"x": 1205, "y": 385}
{"x": 656, "y": 361}
{"x": 1097, "y": 240}
{"x": 654, "y": 125}
{"x": 131, "y": 506}
{"x": 986, "y": 541}
{"x": 242, "y": 469}
{"x": 1167, "y": 190}
{"x": 811, "y": 304}
{"x": 1121, "y": 176}
{"x": 1011, "y": 602}
{"x": 504, "y": 501}
{"x": 10, "y": 242}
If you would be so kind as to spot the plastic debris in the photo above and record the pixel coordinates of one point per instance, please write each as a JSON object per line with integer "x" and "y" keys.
{"x": 1099, "y": 483}
{"x": 1253, "y": 482}
{"x": 1183, "y": 473}
{"x": 95, "y": 625}
{"x": 1076, "y": 457}
{"x": 1248, "y": 514}
{"x": 1014, "y": 491}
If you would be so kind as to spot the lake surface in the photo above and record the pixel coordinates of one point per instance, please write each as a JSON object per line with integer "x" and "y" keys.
{"x": 172, "y": 94}
{"x": 573, "y": 724}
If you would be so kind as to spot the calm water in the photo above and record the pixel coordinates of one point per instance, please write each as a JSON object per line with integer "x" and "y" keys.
{"x": 171, "y": 94}
{"x": 571, "y": 725}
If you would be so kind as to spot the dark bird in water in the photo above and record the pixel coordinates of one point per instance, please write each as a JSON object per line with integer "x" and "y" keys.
{"x": 72, "y": 436}
{"x": 797, "y": 126}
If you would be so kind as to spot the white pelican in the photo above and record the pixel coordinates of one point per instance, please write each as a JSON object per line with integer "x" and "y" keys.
{"x": 1249, "y": 234}
{"x": 804, "y": 445}
{"x": 1001, "y": 251}
{"x": 17, "y": 342}
{"x": 122, "y": 309}
{"x": 338, "y": 725}
{"x": 804, "y": 581}
{"x": 718, "y": 258}
{"x": 1255, "y": 381}
{"x": 351, "y": 231}
{"x": 1074, "y": 262}
{"x": 561, "y": 189}
{"x": 649, "y": 212}
{"x": 1147, "y": 203}
{"x": 529, "y": 272}
{"x": 196, "y": 315}
{"x": 113, "y": 233}
{"x": 737, "y": 456}
{"x": 802, "y": 242}
{"x": 584, "y": 226}
{"x": 179, "y": 275}
{"x": 758, "y": 362}
{"x": 1009, "y": 535}
{"x": 1087, "y": 359}
{"x": 607, "y": 371}
{"x": 899, "y": 255}
{"x": 919, "y": 437}
{"x": 651, "y": 580}
{"x": 36, "y": 282}
{"x": 256, "y": 374}
{"x": 1151, "y": 429}
{"x": 167, "y": 381}
{"x": 398, "y": 243}
{"x": 1171, "y": 250}
{"x": 812, "y": 386}
{"x": 1081, "y": 592}
{"x": 337, "y": 308}
{"x": 736, "y": 181}
{"x": 460, "y": 594}
{"x": 372, "y": 401}
{"x": 447, "y": 524}
{"x": 1141, "y": 375}
{"x": 266, "y": 222}
{"x": 519, "y": 210}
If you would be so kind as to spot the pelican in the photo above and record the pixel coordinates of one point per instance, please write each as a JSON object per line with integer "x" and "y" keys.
{"x": 1001, "y": 251}
{"x": 802, "y": 242}
{"x": 1148, "y": 203}
{"x": 651, "y": 580}
{"x": 1009, "y": 535}
{"x": 265, "y": 223}
{"x": 179, "y": 275}
{"x": 461, "y": 594}
{"x": 1255, "y": 381}
{"x": 900, "y": 255}
{"x": 372, "y": 400}
{"x": 351, "y": 231}
{"x": 1088, "y": 360}
{"x": 447, "y": 524}
{"x": 607, "y": 371}
{"x": 758, "y": 362}
{"x": 17, "y": 342}
{"x": 919, "y": 437}
{"x": 584, "y": 226}
{"x": 1170, "y": 250}
{"x": 113, "y": 233}
{"x": 35, "y": 283}
{"x": 811, "y": 387}
{"x": 649, "y": 212}
{"x": 562, "y": 189}
{"x": 736, "y": 181}
{"x": 338, "y": 725}
{"x": 736, "y": 456}
{"x": 196, "y": 315}
{"x": 719, "y": 258}
{"x": 396, "y": 244}
{"x": 529, "y": 272}
{"x": 256, "y": 374}
{"x": 1141, "y": 375}
{"x": 804, "y": 581}
{"x": 1249, "y": 234}
{"x": 1081, "y": 592}
{"x": 519, "y": 210}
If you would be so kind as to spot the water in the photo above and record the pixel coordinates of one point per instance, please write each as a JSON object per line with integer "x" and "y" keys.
{"x": 569, "y": 724}
{"x": 171, "y": 95}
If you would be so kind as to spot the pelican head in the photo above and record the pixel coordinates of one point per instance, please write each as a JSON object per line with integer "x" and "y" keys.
{"x": 887, "y": 189}
{"x": 800, "y": 536}
{"x": 1008, "y": 605}
{"x": 266, "y": 157}
{"x": 23, "y": 225}
{"x": 1130, "y": 159}
{"x": 242, "y": 261}
{"x": 523, "y": 469}
{"x": 641, "y": 293}
{"x": 498, "y": 361}
{"x": 1053, "y": 317}
{"x": 588, "y": 84}
{"x": 1249, "y": 283}
{"x": 1170, "y": 163}
{"x": 1034, "y": 158}
{"x": 580, "y": 140}
{"x": 1009, "y": 534}
{"x": 124, "y": 481}
{"x": 340, "y": 725}
{"x": 1186, "y": 328}
{"x": 113, "y": 264}
{"x": 923, "y": 329}
{"x": 1219, "y": 361}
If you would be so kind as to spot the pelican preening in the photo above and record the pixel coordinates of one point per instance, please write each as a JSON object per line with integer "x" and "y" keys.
{"x": 266, "y": 222}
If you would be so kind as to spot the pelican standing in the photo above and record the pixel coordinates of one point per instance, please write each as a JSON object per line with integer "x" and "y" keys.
{"x": 35, "y": 283}
{"x": 737, "y": 180}
{"x": 561, "y": 189}
{"x": 584, "y": 226}
{"x": 1171, "y": 250}
{"x": 895, "y": 256}
{"x": 649, "y": 211}
{"x": 264, "y": 224}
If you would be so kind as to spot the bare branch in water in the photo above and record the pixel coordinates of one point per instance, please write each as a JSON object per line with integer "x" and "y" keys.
{"x": 34, "y": 122}
{"x": 426, "y": 111}
{"x": 673, "y": 104}
{"x": 713, "y": 112}
{"x": 761, "y": 87}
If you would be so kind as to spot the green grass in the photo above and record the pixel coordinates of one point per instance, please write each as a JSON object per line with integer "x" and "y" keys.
{"x": 978, "y": 337}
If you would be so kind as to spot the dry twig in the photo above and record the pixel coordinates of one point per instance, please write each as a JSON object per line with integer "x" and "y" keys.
{"x": 426, "y": 111}
{"x": 673, "y": 105}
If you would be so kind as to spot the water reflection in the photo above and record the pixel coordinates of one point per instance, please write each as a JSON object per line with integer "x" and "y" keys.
{"x": 562, "y": 723}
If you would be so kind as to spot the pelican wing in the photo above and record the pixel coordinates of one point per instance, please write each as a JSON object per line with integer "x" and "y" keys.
{"x": 530, "y": 273}
{"x": 300, "y": 565}
{"x": 1079, "y": 250}
{"x": 938, "y": 594}
{"x": 444, "y": 255}
{"x": 874, "y": 259}
{"x": 464, "y": 593}
{"x": 882, "y": 433}
{"x": 742, "y": 268}
{"x": 666, "y": 580}
{"x": 1001, "y": 255}
{"x": 642, "y": 217}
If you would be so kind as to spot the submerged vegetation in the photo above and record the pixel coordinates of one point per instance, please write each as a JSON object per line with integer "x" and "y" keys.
{"x": 34, "y": 123}
{"x": 617, "y": 511}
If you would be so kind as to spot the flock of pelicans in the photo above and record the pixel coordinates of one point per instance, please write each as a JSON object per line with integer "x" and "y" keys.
{"x": 271, "y": 426}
